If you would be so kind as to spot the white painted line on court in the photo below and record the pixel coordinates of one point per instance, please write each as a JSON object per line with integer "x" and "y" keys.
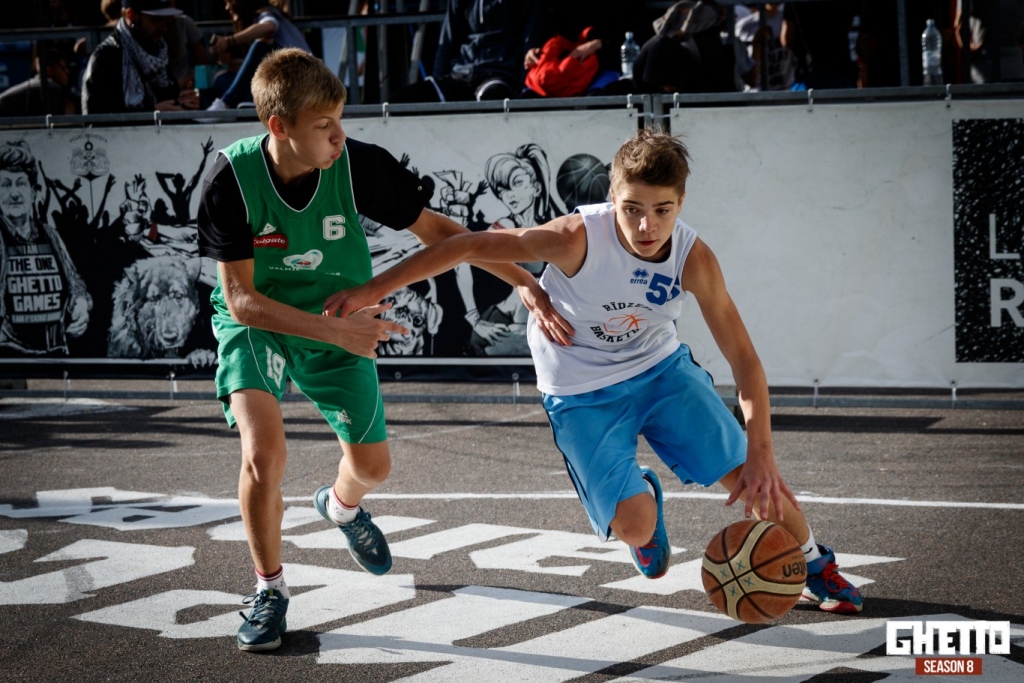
{"x": 558, "y": 495}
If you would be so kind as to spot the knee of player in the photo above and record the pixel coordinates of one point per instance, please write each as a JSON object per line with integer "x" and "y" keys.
{"x": 635, "y": 526}
{"x": 263, "y": 466}
{"x": 371, "y": 471}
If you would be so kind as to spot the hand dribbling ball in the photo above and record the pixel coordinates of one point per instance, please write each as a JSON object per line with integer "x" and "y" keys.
{"x": 754, "y": 571}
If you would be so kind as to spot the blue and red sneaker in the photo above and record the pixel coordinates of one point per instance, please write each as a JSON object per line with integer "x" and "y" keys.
{"x": 652, "y": 560}
{"x": 827, "y": 588}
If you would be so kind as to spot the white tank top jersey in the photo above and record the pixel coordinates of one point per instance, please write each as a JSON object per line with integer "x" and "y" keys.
{"x": 622, "y": 308}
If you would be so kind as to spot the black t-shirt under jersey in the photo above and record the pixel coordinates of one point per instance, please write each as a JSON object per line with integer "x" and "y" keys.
{"x": 385, "y": 191}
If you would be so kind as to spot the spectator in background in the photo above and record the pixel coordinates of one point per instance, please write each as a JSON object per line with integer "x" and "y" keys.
{"x": 686, "y": 54}
{"x": 996, "y": 29}
{"x": 111, "y": 10}
{"x": 597, "y": 25}
{"x": 264, "y": 27}
{"x": 129, "y": 71}
{"x": 27, "y": 99}
{"x": 187, "y": 49}
{"x": 818, "y": 34}
{"x": 480, "y": 53}
{"x": 764, "y": 43}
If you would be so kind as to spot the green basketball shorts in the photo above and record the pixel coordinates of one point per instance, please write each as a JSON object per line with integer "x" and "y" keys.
{"x": 343, "y": 387}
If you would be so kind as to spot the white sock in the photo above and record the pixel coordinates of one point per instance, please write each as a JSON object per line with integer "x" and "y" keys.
{"x": 339, "y": 512}
{"x": 274, "y": 581}
{"x": 650, "y": 487}
{"x": 810, "y": 548}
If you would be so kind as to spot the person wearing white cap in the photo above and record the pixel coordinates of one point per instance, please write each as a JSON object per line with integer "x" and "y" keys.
{"x": 129, "y": 71}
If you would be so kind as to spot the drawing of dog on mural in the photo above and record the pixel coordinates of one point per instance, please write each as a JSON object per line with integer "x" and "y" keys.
{"x": 155, "y": 307}
{"x": 419, "y": 313}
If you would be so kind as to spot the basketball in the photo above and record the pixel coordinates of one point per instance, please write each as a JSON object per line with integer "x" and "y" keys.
{"x": 582, "y": 179}
{"x": 754, "y": 571}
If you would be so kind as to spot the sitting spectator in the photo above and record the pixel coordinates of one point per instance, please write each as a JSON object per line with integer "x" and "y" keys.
{"x": 765, "y": 43}
{"x": 27, "y": 99}
{"x": 686, "y": 54}
{"x": 129, "y": 70}
{"x": 186, "y": 50}
{"x": 264, "y": 28}
{"x": 480, "y": 52}
{"x": 818, "y": 34}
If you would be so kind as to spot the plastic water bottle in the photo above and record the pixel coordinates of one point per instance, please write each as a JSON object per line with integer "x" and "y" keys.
{"x": 931, "y": 54}
{"x": 629, "y": 55}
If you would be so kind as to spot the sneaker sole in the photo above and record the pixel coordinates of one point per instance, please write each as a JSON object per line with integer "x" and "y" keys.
{"x": 832, "y": 606}
{"x": 261, "y": 647}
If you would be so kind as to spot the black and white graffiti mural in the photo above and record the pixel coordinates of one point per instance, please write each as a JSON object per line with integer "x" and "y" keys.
{"x": 98, "y": 232}
{"x": 82, "y": 279}
{"x": 988, "y": 206}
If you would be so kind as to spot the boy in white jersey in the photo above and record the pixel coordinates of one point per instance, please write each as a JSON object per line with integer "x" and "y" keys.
{"x": 618, "y": 274}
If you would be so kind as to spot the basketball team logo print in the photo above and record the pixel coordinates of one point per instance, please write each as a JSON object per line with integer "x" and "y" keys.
{"x": 308, "y": 261}
{"x": 628, "y": 321}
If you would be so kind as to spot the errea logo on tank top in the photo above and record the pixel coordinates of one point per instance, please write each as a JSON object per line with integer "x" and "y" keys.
{"x": 639, "y": 277}
{"x": 625, "y": 322}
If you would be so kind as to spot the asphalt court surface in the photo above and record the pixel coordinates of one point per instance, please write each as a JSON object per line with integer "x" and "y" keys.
{"x": 122, "y": 556}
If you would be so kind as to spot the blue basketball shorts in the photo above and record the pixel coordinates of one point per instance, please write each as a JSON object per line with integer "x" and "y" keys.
{"x": 674, "y": 405}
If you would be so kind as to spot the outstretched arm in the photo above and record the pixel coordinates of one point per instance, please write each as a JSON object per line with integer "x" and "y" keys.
{"x": 760, "y": 477}
{"x": 432, "y": 227}
{"x": 558, "y": 242}
{"x": 358, "y": 334}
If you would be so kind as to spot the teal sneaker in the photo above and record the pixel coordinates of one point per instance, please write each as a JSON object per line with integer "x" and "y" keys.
{"x": 263, "y": 627}
{"x": 652, "y": 560}
{"x": 366, "y": 542}
{"x": 827, "y": 588}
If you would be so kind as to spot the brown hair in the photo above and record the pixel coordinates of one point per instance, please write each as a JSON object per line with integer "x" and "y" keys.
{"x": 290, "y": 81}
{"x": 653, "y": 158}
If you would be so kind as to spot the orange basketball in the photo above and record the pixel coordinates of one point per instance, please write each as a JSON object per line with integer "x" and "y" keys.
{"x": 754, "y": 571}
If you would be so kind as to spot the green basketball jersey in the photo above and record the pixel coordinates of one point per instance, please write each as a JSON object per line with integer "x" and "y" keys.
{"x": 301, "y": 257}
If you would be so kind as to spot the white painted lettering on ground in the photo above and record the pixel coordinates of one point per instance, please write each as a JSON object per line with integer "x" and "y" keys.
{"x": 344, "y": 593}
{"x": 526, "y": 555}
{"x": 582, "y": 649}
{"x": 68, "y": 502}
{"x": 684, "y": 576}
{"x": 120, "y": 563}
{"x": 12, "y": 540}
{"x": 426, "y": 633}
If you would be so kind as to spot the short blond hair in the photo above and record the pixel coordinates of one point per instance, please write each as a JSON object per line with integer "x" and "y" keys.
{"x": 653, "y": 158}
{"x": 290, "y": 81}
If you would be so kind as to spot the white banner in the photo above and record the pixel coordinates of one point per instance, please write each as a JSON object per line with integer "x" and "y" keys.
{"x": 835, "y": 229}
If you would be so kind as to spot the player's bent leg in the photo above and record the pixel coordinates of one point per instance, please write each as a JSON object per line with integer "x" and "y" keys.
{"x": 640, "y": 522}
{"x": 363, "y": 467}
{"x": 826, "y": 587}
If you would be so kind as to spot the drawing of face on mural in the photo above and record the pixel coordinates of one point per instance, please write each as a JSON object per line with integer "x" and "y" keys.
{"x": 15, "y": 199}
{"x": 520, "y": 180}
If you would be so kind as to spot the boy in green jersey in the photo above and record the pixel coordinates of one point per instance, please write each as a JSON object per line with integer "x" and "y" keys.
{"x": 278, "y": 214}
